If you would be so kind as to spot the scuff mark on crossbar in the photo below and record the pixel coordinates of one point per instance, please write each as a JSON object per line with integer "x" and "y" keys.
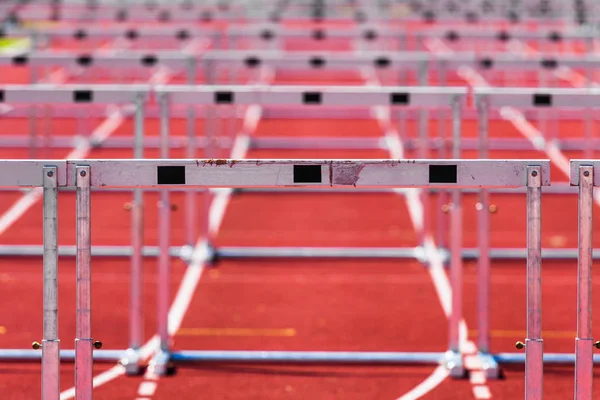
{"x": 346, "y": 173}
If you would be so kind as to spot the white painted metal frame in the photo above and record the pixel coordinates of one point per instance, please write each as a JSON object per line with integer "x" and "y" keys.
{"x": 230, "y": 173}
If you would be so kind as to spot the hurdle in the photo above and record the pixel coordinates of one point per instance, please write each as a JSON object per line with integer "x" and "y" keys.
{"x": 489, "y": 98}
{"x": 82, "y": 175}
{"x": 354, "y": 97}
{"x": 584, "y": 175}
{"x": 85, "y": 95}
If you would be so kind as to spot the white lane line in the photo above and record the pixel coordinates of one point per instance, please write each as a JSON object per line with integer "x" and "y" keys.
{"x": 431, "y": 382}
{"x": 147, "y": 389}
{"x": 416, "y": 209}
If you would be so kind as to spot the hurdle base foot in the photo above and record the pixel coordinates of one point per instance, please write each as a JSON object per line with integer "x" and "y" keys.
{"x": 209, "y": 255}
{"x": 453, "y": 361}
{"x": 131, "y": 362}
{"x": 490, "y": 366}
{"x": 161, "y": 364}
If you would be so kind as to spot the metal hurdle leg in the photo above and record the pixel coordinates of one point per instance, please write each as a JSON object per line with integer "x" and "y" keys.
{"x": 584, "y": 344}
{"x": 534, "y": 344}
{"x": 192, "y": 146}
{"x": 454, "y": 361}
{"x": 50, "y": 343}
{"x": 159, "y": 363}
{"x": 488, "y": 363}
{"x": 83, "y": 341}
{"x": 443, "y": 195}
{"x": 131, "y": 360}
{"x": 423, "y": 153}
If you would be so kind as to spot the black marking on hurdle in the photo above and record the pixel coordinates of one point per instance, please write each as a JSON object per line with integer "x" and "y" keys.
{"x": 121, "y": 16}
{"x": 186, "y": 6}
{"x": 429, "y": 17}
{"x": 206, "y": 16}
{"x": 252, "y": 62}
{"x": 400, "y": 98}
{"x": 549, "y": 63}
{"x": 317, "y": 62}
{"x": 13, "y": 18}
{"x": 224, "y": 97}
{"x": 554, "y": 36}
{"x": 370, "y": 35}
{"x": 382, "y": 62}
{"x": 182, "y": 35}
{"x": 21, "y": 59}
{"x": 80, "y": 34}
{"x": 472, "y": 17}
{"x": 149, "y": 60}
{"x": 163, "y": 16}
{"x": 84, "y": 60}
{"x": 312, "y": 98}
{"x": 452, "y": 36}
{"x": 307, "y": 174}
{"x": 542, "y": 100}
{"x": 443, "y": 174}
{"x": 486, "y": 63}
{"x": 318, "y": 34}
{"x": 223, "y": 6}
{"x": 170, "y": 175}
{"x": 360, "y": 17}
{"x": 1, "y": 95}
{"x": 83, "y": 96}
{"x": 267, "y": 35}
{"x": 132, "y": 34}
{"x": 274, "y": 17}
{"x": 451, "y": 7}
{"x": 487, "y": 7}
{"x": 503, "y": 36}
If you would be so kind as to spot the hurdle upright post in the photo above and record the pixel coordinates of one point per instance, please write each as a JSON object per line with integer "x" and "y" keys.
{"x": 534, "y": 344}
{"x": 191, "y": 150}
{"x": 83, "y": 340}
{"x": 423, "y": 152}
{"x": 489, "y": 365}
{"x": 164, "y": 225}
{"x": 584, "y": 343}
{"x": 454, "y": 361}
{"x": 136, "y": 323}
{"x": 50, "y": 342}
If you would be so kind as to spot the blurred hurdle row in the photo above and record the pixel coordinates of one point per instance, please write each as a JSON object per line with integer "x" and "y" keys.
{"x": 239, "y": 66}
{"x": 274, "y": 36}
{"x": 314, "y": 10}
{"x": 377, "y": 98}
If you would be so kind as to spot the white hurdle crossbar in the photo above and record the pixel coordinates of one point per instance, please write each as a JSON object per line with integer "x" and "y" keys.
{"x": 229, "y": 173}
